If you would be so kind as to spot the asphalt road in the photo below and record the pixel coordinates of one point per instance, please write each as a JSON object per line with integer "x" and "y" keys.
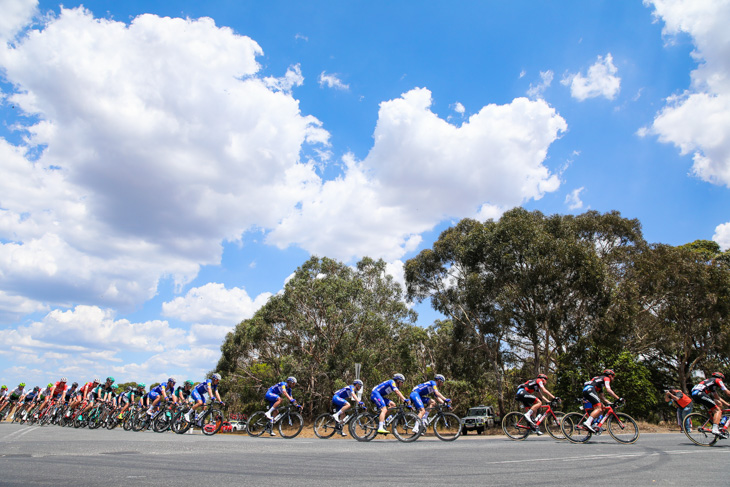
{"x": 31, "y": 455}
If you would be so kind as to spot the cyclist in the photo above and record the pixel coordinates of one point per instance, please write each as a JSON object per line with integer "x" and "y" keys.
{"x": 85, "y": 393}
{"x": 532, "y": 394}
{"x": 124, "y": 400}
{"x": 593, "y": 393}
{"x": 381, "y": 391}
{"x": 706, "y": 393}
{"x": 273, "y": 396}
{"x": 144, "y": 397}
{"x": 4, "y": 395}
{"x": 208, "y": 387}
{"x": 58, "y": 390}
{"x": 183, "y": 393}
{"x": 14, "y": 398}
{"x": 28, "y": 399}
{"x": 161, "y": 391}
{"x": 420, "y": 397}
{"x": 98, "y": 393}
{"x": 340, "y": 400}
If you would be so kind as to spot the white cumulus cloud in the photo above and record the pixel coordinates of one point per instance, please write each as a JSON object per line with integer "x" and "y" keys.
{"x": 722, "y": 236}
{"x": 698, "y": 120}
{"x": 423, "y": 169}
{"x": 573, "y": 199}
{"x": 16, "y": 14}
{"x": 213, "y": 304}
{"x": 332, "y": 81}
{"x": 601, "y": 80}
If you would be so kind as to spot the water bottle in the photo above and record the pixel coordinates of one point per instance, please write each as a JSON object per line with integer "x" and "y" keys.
{"x": 723, "y": 421}
{"x": 539, "y": 418}
{"x": 389, "y": 419}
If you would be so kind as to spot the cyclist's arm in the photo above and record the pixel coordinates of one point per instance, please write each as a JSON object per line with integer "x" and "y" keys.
{"x": 610, "y": 391}
{"x": 439, "y": 397}
{"x": 543, "y": 390}
{"x": 400, "y": 395}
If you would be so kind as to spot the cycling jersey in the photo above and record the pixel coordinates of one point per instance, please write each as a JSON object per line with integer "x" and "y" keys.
{"x": 345, "y": 393}
{"x": 278, "y": 389}
{"x": 16, "y": 393}
{"x": 3, "y": 394}
{"x": 180, "y": 391}
{"x": 202, "y": 388}
{"x": 426, "y": 389}
{"x": 86, "y": 389}
{"x": 531, "y": 386}
{"x": 709, "y": 386}
{"x": 59, "y": 389}
{"x": 598, "y": 382}
{"x": 385, "y": 388}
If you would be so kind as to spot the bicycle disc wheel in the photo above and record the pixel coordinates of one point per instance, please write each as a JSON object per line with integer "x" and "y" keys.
{"x": 515, "y": 426}
{"x": 574, "y": 429}
{"x": 404, "y": 427}
{"x": 364, "y": 427}
{"x": 211, "y": 422}
{"x": 325, "y": 426}
{"x": 257, "y": 424}
{"x": 290, "y": 425}
{"x": 447, "y": 426}
{"x": 552, "y": 425}
{"x": 625, "y": 430}
{"x": 700, "y": 429}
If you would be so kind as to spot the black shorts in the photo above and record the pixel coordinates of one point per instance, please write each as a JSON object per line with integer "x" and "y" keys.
{"x": 527, "y": 400}
{"x": 590, "y": 395}
{"x": 704, "y": 399}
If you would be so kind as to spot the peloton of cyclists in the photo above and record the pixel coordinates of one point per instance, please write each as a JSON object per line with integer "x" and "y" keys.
{"x": 706, "y": 393}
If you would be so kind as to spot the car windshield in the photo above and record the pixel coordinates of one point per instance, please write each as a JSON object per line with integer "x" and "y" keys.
{"x": 477, "y": 412}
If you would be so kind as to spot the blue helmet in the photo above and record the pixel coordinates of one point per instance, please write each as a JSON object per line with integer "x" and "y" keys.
{"x": 399, "y": 377}
{"x": 440, "y": 377}
{"x": 357, "y": 382}
{"x": 291, "y": 380}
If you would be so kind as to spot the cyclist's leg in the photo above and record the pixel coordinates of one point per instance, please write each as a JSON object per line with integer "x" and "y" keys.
{"x": 274, "y": 402}
{"x": 342, "y": 406}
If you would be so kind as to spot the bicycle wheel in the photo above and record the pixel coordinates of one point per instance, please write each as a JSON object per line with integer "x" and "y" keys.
{"x": 257, "y": 424}
{"x": 179, "y": 424}
{"x": 515, "y": 426}
{"x": 325, "y": 426}
{"x": 211, "y": 422}
{"x": 94, "y": 419}
{"x": 290, "y": 425}
{"x": 161, "y": 422}
{"x": 404, "y": 427}
{"x": 700, "y": 429}
{"x": 364, "y": 427}
{"x": 552, "y": 425}
{"x": 574, "y": 429}
{"x": 625, "y": 430}
{"x": 447, "y": 426}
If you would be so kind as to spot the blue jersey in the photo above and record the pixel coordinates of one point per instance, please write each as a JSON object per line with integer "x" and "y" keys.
{"x": 202, "y": 388}
{"x": 385, "y": 388}
{"x": 279, "y": 388}
{"x": 345, "y": 393}
{"x": 158, "y": 389}
{"x": 426, "y": 389}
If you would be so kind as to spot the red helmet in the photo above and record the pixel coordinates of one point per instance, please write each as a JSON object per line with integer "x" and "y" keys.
{"x": 718, "y": 375}
{"x": 609, "y": 372}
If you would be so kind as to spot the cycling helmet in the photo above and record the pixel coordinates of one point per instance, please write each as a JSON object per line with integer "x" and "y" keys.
{"x": 291, "y": 380}
{"x": 357, "y": 382}
{"x": 440, "y": 377}
{"x": 399, "y": 377}
{"x": 96, "y": 381}
{"x": 216, "y": 376}
{"x": 114, "y": 386}
{"x": 129, "y": 388}
{"x": 75, "y": 384}
{"x": 141, "y": 385}
{"x": 36, "y": 389}
{"x": 110, "y": 379}
{"x": 719, "y": 375}
{"x": 189, "y": 383}
{"x": 609, "y": 372}
{"x": 172, "y": 379}
{"x": 22, "y": 384}
{"x": 542, "y": 376}
{"x": 49, "y": 385}
{"x": 3, "y": 387}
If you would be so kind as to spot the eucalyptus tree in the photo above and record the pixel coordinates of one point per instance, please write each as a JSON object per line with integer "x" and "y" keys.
{"x": 328, "y": 317}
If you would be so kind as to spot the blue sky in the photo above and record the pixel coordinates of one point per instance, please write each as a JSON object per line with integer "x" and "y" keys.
{"x": 168, "y": 165}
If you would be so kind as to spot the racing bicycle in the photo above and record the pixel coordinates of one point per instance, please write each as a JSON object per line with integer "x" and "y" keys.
{"x": 700, "y": 428}
{"x": 516, "y": 426}
{"x": 288, "y": 420}
{"x": 325, "y": 425}
{"x": 400, "y": 419}
{"x": 620, "y": 426}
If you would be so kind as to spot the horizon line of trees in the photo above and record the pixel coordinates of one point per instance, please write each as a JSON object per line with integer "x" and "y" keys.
{"x": 563, "y": 295}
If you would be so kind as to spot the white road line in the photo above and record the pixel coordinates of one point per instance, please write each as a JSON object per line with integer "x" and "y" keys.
{"x": 19, "y": 433}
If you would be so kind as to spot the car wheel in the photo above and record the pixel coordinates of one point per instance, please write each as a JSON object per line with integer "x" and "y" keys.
{"x": 480, "y": 431}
